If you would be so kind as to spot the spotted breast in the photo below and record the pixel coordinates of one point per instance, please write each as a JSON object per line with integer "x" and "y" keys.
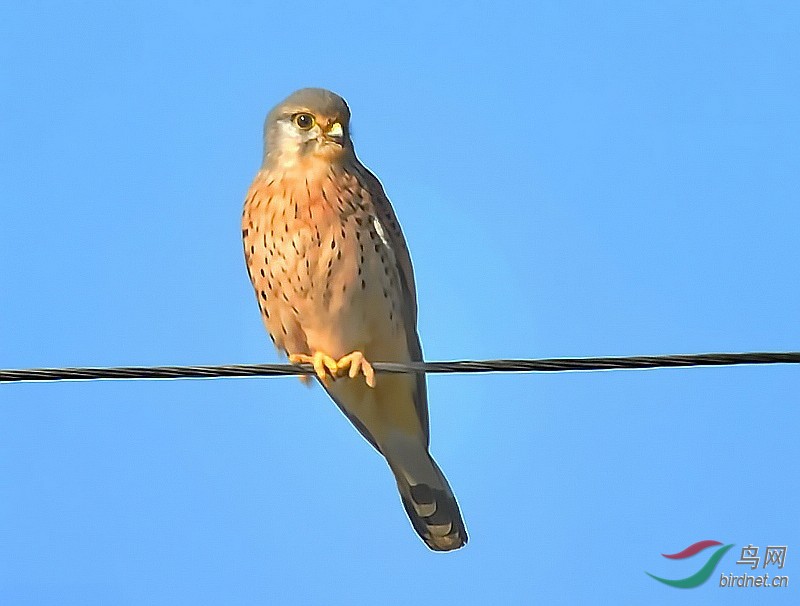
{"x": 323, "y": 272}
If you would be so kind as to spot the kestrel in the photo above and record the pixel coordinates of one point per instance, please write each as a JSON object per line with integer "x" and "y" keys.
{"x": 335, "y": 286}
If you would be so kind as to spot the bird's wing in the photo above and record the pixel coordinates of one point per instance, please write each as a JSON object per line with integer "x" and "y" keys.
{"x": 393, "y": 234}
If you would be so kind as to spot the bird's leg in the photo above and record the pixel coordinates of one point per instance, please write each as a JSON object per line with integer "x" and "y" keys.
{"x": 357, "y": 363}
{"x": 325, "y": 366}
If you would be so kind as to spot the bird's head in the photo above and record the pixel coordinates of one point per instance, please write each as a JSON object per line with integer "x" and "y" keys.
{"x": 310, "y": 124}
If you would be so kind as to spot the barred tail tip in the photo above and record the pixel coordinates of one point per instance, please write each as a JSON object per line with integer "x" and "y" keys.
{"x": 435, "y": 515}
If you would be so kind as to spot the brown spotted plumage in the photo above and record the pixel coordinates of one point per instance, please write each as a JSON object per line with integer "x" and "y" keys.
{"x": 335, "y": 286}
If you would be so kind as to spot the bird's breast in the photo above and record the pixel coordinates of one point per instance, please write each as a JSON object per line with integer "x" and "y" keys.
{"x": 317, "y": 254}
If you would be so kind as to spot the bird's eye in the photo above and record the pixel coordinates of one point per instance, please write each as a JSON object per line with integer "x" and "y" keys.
{"x": 304, "y": 121}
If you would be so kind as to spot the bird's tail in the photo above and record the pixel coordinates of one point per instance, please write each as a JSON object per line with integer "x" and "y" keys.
{"x": 429, "y": 502}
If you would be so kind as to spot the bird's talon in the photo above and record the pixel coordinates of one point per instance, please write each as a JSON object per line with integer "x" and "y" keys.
{"x": 356, "y": 363}
{"x": 369, "y": 374}
{"x": 331, "y": 365}
{"x": 324, "y": 366}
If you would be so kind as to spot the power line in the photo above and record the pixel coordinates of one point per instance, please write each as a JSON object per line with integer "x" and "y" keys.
{"x": 460, "y": 366}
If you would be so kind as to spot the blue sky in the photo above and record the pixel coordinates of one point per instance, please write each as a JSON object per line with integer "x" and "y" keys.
{"x": 573, "y": 179}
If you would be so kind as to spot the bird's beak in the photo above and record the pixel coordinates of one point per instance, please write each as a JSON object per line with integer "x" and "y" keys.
{"x": 335, "y": 133}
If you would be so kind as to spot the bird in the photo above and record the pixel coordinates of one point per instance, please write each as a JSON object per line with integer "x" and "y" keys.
{"x": 335, "y": 288}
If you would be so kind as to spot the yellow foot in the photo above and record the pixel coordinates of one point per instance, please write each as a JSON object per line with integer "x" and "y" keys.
{"x": 357, "y": 364}
{"x": 323, "y": 364}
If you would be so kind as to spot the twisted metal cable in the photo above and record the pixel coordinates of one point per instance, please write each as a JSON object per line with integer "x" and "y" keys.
{"x": 458, "y": 366}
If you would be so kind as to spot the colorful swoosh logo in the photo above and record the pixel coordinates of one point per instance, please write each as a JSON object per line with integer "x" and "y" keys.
{"x": 702, "y": 575}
